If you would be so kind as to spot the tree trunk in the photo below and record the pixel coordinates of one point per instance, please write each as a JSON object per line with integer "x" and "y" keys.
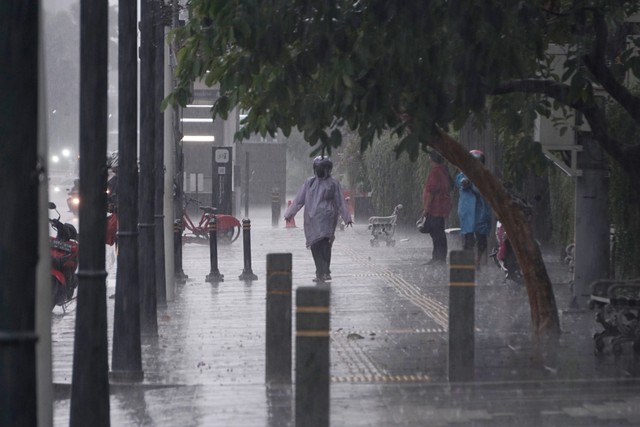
{"x": 544, "y": 313}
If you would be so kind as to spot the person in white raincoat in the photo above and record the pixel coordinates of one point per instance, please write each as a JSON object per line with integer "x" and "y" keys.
{"x": 323, "y": 201}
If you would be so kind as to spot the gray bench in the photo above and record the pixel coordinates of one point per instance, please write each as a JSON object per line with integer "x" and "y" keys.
{"x": 384, "y": 227}
{"x": 617, "y": 307}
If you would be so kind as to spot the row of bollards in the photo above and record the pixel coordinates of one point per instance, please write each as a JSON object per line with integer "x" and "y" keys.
{"x": 312, "y": 376}
{"x": 312, "y": 367}
{"x": 214, "y": 275}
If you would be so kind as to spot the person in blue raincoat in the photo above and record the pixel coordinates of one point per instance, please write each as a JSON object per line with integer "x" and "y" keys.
{"x": 474, "y": 213}
{"x": 323, "y": 202}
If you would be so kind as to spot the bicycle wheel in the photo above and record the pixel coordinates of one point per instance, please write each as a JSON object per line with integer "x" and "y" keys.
{"x": 228, "y": 228}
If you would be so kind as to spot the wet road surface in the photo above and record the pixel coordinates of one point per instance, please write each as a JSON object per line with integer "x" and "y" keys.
{"x": 388, "y": 346}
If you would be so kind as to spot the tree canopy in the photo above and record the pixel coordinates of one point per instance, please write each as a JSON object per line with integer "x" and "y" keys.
{"x": 376, "y": 65}
{"x": 417, "y": 69}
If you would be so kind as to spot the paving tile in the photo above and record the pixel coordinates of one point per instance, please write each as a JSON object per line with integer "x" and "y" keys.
{"x": 388, "y": 346}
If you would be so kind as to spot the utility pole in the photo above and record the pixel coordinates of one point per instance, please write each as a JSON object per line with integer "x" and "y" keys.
{"x": 177, "y": 135}
{"x": 126, "y": 358}
{"x": 90, "y": 384}
{"x": 146, "y": 226}
{"x": 19, "y": 180}
{"x": 591, "y": 256}
{"x": 159, "y": 24}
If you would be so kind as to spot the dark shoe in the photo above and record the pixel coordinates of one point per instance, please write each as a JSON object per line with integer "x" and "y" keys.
{"x": 319, "y": 279}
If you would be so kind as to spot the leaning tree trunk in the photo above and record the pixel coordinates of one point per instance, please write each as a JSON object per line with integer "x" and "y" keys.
{"x": 544, "y": 314}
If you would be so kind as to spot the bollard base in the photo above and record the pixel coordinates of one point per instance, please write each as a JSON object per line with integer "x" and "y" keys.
{"x": 124, "y": 376}
{"x": 180, "y": 277}
{"x": 247, "y": 275}
{"x": 214, "y": 277}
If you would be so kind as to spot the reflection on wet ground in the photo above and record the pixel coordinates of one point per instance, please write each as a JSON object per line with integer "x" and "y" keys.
{"x": 389, "y": 344}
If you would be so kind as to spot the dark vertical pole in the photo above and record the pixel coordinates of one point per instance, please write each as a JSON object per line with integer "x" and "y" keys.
{"x": 247, "y": 175}
{"x": 278, "y": 331}
{"x": 161, "y": 282}
{"x": 126, "y": 357}
{"x": 214, "y": 275}
{"x": 312, "y": 356}
{"x": 90, "y": 384}
{"x": 247, "y": 272}
{"x": 461, "y": 315}
{"x": 146, "y": 241}
{"x": 275, "y": 206}
{"x": 592, "y": 232}
{"x": 178, "y": 228}
{"x": 19, "y": 177}
{"x": 178, "y": 158}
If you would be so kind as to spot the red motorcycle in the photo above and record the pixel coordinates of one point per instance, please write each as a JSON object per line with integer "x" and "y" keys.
{"x": 64, "y": 260}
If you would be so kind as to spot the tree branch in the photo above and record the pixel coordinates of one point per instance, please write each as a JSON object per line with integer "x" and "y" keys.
{"x": 551, "y": 88}
{"x": 596, "y": 63}
{"x": 591, "y": 111}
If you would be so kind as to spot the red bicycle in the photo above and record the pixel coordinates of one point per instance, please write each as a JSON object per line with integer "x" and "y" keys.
{"x": 228, "y": 226}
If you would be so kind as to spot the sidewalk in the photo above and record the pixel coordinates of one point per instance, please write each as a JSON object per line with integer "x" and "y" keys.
{"x": 389, "y": 333}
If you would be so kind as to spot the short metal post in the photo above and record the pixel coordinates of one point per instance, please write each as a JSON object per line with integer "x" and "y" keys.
{"x": 461, "y": 316}
{"x": 275, "y": 207}
{"x": 214, "y": 276}
{"x": 247, "y": 273}
{"x": 312, "y": 356}
{"x": 278, "y": 334}
{"x": 178, "y": 228}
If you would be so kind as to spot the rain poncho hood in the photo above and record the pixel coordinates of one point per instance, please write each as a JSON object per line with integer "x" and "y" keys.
{"x": 323, "y": 201}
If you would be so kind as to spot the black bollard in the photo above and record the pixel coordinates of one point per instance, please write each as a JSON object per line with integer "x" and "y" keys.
{"x": 278, "y": 334}
{"x": 275, "y": 207}
{"x": 178, "y": 228}
{"x": 247, "y": 273}
{"x": 214, "y": 276}
{"x": 312, "y": 356}
{"x": 461, "y": 316}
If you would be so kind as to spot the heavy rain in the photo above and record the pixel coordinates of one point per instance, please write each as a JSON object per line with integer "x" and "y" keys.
{"x": 332, "y": 214}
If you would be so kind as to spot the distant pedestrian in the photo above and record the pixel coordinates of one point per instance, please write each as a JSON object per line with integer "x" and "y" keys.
{"x": 474, "y": 213}
{"x": 322, "y": 199}
{"x": 436, "y": 205}
{"x": 112, "y": 200}
{"x": 112, "y": 182}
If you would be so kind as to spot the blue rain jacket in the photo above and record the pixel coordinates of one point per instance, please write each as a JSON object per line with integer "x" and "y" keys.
{"x": 474, "y": 212}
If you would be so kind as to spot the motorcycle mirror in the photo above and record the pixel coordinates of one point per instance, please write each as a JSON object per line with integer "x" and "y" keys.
{"x": 53, "y": 206}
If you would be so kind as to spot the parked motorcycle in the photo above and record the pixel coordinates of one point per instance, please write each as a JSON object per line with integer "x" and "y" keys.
{"x": 64, "y": 260}
{"x": 505, "y": 258}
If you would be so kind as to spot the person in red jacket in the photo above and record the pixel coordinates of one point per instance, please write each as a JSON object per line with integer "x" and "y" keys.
{"x": 436, "y": 204}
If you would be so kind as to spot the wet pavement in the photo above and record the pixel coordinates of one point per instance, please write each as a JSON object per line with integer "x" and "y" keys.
{"x": 388, "y": 346}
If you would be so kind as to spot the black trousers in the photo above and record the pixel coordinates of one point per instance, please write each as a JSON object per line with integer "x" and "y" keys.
{"x": 477, "y": 240}
{"x": 439, "y": 238}
{"x": 321, "y": 251}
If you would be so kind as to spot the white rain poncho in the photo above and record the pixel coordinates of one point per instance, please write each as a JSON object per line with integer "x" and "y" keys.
{"x": 322, "y": 200}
